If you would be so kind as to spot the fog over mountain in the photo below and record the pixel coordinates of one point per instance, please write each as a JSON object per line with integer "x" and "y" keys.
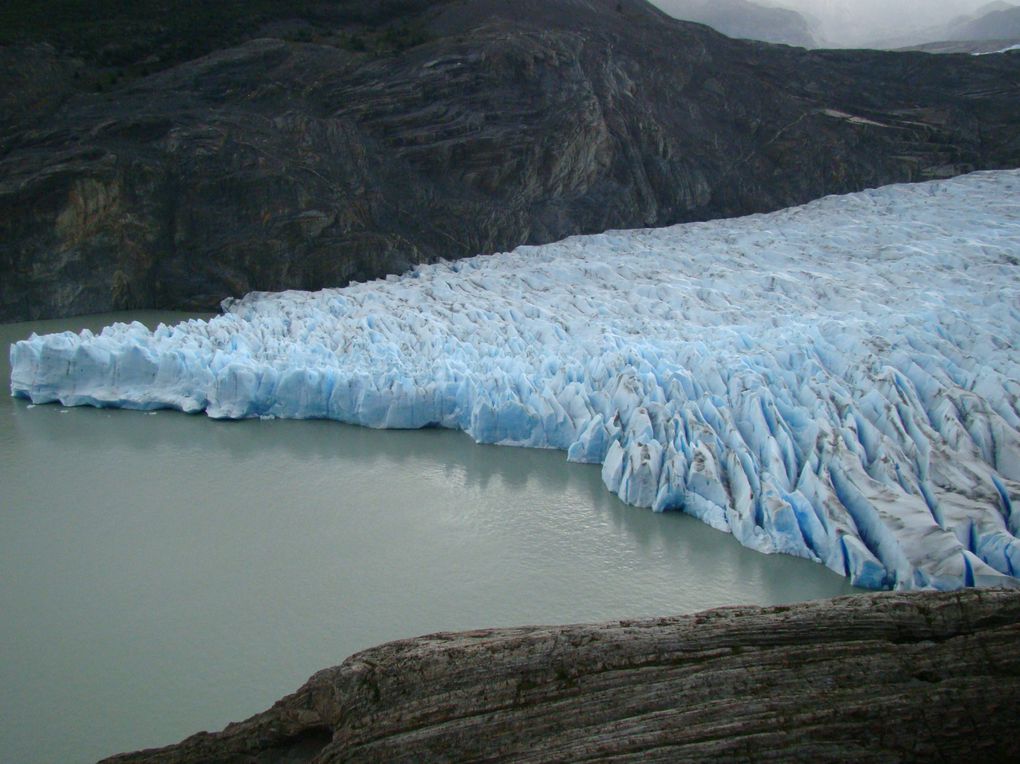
{"x": 875, "y": 23}
{"x": 1001, "y": 22}
{"x": 743, "y": 19}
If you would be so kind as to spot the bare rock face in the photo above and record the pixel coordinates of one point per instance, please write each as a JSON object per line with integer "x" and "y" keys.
{"x": 277, "y": 164}
{"x": 886, "y": 677}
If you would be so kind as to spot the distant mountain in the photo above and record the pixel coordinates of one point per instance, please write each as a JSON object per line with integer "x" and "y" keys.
{"x": 994, "y": 25}
{"x": 869, "y": 23}
{"x": 977, "y": 13}
{"x": 744, "y": 20}
{"x": 991, "y": 28}
{"x": 886, "y": 24}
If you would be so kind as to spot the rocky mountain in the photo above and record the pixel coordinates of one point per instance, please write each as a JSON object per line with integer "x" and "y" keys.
{"x": 352, "y": 146}
{"x": 995, "y": 24}
{"x": 992, "y": 27}
{"x": 744, "y": 20}
{"x": 982, "y": 10}
{"x": 885, "y": 25}
{"x": 889, "y": 677}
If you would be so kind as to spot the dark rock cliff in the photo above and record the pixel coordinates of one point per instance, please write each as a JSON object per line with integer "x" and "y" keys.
{"x": 280, "y": 164}
{"x": 890, "y": 677}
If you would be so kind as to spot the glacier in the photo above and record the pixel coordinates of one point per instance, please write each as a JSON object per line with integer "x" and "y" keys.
{"x": 837, "y": 381}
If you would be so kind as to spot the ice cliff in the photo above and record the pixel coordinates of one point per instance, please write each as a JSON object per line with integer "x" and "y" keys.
{"x": 837, "y": 381}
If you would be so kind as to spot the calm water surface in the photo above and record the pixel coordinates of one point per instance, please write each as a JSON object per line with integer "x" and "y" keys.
{"x": 162, "y": 573}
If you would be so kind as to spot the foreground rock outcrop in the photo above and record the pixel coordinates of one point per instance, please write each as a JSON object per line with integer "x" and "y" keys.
{"x": 887, "y": 677}
{"x": 284, "y": 164}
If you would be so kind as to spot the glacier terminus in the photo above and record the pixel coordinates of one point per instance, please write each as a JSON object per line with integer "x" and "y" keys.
{"x": 837, "y": 381}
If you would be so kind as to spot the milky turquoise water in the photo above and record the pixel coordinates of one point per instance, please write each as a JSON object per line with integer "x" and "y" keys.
{"x": 162, "y": 573}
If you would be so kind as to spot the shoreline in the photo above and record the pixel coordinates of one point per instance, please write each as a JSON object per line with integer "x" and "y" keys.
{"x": 854, "y": 678}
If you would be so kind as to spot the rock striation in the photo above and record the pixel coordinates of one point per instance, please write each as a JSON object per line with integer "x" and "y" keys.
{"x": 887, "y": 677}
{"x": 281, "y": 164}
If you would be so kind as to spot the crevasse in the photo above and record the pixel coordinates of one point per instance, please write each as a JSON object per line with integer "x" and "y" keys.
{"x": 837, "y": 381}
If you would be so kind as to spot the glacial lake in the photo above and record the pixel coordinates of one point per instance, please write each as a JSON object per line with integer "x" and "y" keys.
{"x": 162, "y": 574}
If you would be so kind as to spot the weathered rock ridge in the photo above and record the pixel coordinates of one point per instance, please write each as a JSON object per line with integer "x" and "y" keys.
{"x": 888, "y": 677}
{"x": 278, "y": 164}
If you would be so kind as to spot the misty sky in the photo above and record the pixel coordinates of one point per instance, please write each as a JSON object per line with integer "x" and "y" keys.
{"x": 850, "y": 22}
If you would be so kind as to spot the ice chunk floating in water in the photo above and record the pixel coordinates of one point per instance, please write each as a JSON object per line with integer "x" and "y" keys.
{"x": 837, "y": 381}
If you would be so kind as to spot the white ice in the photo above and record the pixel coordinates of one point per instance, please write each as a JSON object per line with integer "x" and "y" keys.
{"x": 837, "y": 381}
